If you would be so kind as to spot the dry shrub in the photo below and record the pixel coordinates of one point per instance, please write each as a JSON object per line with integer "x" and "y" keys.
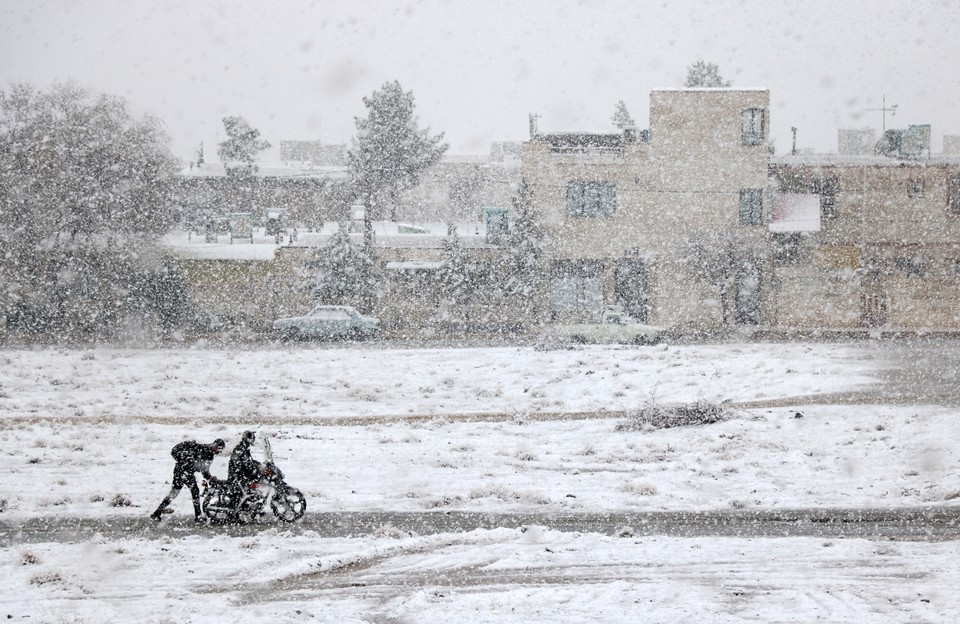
{"x": 653, "y": 416}
{"x": 43, "y": 578}
{"x": 120, "y": 501}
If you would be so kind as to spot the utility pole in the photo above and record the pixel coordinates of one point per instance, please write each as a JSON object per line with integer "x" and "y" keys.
{"x": 884, "y": 109}
{"x": 793, "y": 129}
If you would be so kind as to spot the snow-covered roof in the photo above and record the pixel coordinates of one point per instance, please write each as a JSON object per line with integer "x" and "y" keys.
{"x": 712, "y": 89}
{"x": 414, "y": 265}
{"x": 267, "y": 170}
{"x": 262, "y": 246}
{"x": 303, "y": 169}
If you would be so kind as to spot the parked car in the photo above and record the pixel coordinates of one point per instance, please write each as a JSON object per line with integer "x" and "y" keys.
{"x": 615, "y": 327}
{"x": 328, "y": 321}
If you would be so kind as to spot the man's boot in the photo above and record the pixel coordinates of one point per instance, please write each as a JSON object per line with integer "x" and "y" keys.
{"x": 162, "y": 509}
{"x": 198, "y": 516}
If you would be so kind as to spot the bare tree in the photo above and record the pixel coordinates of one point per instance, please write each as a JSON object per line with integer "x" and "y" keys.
{"x": 723, "y": 261}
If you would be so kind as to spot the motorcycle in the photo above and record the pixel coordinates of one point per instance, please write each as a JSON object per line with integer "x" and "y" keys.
{"x": 225, "y": 502}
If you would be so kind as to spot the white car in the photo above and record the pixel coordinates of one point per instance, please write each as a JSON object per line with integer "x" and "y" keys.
{"x": 328, "y": 321}
{"x": 615, "y": 327}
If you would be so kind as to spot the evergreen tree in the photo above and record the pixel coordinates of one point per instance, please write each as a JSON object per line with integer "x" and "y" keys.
{"x": 390, "y": 151}
{"x": 343, "y": 272}
{"x": 705, "y": 75}
{"x": 242, "y": 144}
{"x": 456, "y": 274}
{"x": 237, "y": 155}
{"x": 524, "y": 260}
{"x": 621, "y": 116}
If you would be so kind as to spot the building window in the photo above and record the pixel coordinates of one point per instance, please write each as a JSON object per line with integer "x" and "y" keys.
{"x": 953, "y": 194}
{"x": 753, "y": 126}
{"x": 789, "y": 249}
{"x": 748, "y": 297}
{"x": 751, "y": 207}
{"x": 591, "y": 199}
{"x": 909, "y": 266}
{"x": 826, "y": 188}
{"x": 576, "y": 290}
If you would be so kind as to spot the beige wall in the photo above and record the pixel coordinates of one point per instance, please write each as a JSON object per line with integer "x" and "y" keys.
{"x": 250, "y": 294}
{"x": 879, "y": 219}
{"x": 687, "y": 178}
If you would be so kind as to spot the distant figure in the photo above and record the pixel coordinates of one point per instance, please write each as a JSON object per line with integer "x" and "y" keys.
{"x": 191, "y": 457}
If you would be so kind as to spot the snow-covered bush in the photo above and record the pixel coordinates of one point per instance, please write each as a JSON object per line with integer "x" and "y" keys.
{"x": 654, "y": 416}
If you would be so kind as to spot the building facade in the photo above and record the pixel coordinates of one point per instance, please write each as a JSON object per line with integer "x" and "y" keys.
{"x": 884, "y": 251}
{"x": 668, "y": 224}
{"x": 695, "y": 226}
{"x": 692, "y": 224}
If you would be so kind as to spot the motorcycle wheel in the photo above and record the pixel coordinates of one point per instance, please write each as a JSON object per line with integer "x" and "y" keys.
{"x": 218, "y": 504}
{"x": 289, "y": 505}
{"x": 249, "y": 510}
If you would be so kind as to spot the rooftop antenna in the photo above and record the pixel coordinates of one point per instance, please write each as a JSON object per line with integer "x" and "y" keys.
{"x": 884, "y": 108}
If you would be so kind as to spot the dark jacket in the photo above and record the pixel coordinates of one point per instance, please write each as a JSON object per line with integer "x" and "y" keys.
{"x": 194, "y": 457}
{"x": 243, "y": 468}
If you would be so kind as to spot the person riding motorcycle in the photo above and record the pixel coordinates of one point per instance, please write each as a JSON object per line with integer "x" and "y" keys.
{"x": 252, "y": 489}
{"x": 242, "y": 470}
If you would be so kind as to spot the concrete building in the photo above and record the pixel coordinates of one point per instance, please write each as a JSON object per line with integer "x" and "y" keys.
{"x": 885, "y": 250}
{"x": 650, "y": 226}
{"x": 951, "y": 145}
{"x": 691, "y": 224}
{"x": 856, "y": 142}
{"x": 700, "y": 227}
{"x": 314, "y": 153}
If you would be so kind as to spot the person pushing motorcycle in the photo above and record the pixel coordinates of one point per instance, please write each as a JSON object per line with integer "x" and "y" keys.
{"x": 191, "y": 457}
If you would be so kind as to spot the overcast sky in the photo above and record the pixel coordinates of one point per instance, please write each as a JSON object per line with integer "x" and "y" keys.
{"x": 298, "y": 69}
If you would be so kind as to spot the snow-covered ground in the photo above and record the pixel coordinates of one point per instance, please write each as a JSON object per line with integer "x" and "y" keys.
{"x": 87, "y": 433}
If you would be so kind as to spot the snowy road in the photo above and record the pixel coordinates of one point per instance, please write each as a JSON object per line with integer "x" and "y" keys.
{"x": 491, "y": 484}
{"x": 913, "y": 523}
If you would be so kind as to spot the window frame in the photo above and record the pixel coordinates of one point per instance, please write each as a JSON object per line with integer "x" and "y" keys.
{"x": 953, "y": 194}
{"x": 790, "y": 249}
{"x": 752, "y": 133}
{"x": 591, "y": 199}
{"x": 826, "y": 187}
{"x": 912, "y": 266}
{"x": 751, "y": 206}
